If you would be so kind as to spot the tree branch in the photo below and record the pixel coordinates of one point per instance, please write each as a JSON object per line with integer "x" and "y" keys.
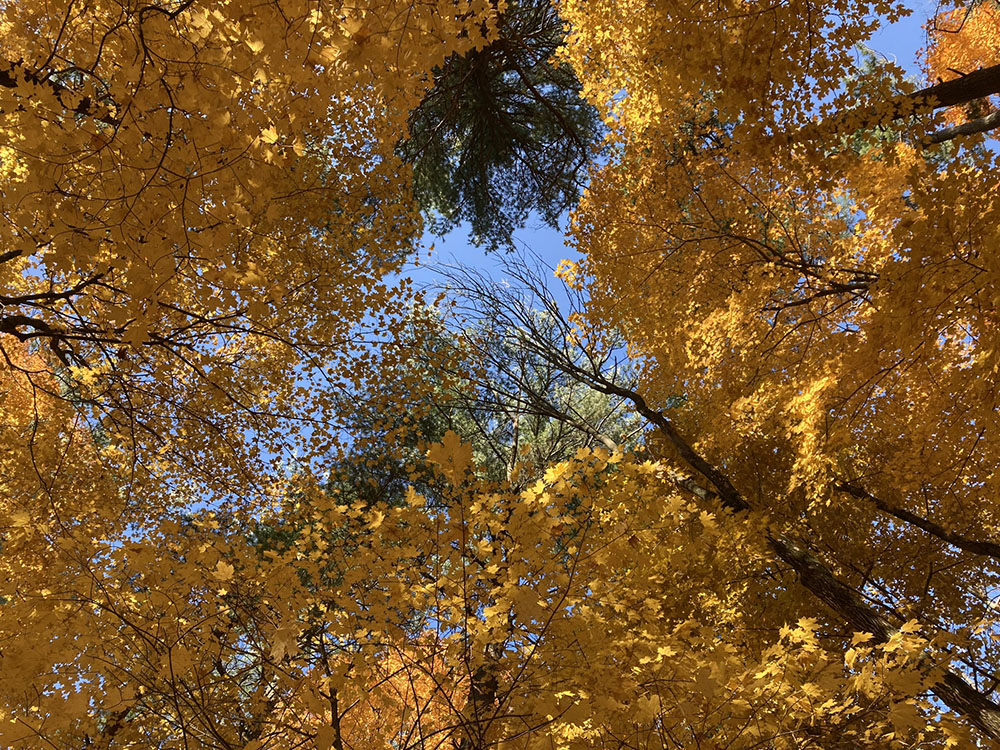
{"x": 861, "y": 616}
{"x": 968, "y": 88}
{"x": 11, "y": 78}
{"x": 971, "y": 127}
{"x": 989, "y": 549}
{"x": 976, "y": 85}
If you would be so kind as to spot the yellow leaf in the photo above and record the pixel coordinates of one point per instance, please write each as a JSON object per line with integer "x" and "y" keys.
{"x": 323, "y": 740}
{"x": 452, "y": 456}
{"x": 223, "y": 571}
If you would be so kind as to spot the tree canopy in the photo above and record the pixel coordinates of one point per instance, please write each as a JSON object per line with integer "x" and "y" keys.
{"x": 727, "y": 480}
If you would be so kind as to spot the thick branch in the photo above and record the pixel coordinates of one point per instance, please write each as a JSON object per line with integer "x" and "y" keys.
{"x": 482, "y": 694}
{"x": 990, "y": 549}
{"x": 729, "y": 495}
{"x": 976, "y": 85}
{"x": 13, "y": 323}
{"x": 962, "y": 697}
{"x": 971, "y": 127}
{"x": 338, "y": 740}
{"x": 952, "y": 688}
{"x": 838, "y": 596}
{"x": 30, "y": 299}
{"x": 968, "y": 88}
{"x": 57, "y": 339}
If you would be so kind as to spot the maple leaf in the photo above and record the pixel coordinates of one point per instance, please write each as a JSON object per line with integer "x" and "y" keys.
{"x": 452, "y": 456}
{"x": 223, "y": 571}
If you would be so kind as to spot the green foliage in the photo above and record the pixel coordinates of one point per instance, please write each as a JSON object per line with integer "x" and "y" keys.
{"x": 503, "y": 132}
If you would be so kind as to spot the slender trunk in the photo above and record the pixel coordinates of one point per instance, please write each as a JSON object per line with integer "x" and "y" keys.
{"x": 482, "y": 700}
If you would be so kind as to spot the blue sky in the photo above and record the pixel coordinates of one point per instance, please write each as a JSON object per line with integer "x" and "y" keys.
{"x": 901, "y": 41}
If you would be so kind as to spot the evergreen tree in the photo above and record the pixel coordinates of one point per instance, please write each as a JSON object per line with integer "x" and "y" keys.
{"x": 503, "y": 131}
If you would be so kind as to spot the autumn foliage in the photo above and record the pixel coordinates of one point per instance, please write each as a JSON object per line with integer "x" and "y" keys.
{"x": 961, "y": 41}
{"x": 258, "y": 493}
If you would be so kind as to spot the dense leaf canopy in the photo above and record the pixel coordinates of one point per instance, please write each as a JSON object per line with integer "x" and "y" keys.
{"x": 726, "y": 481}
